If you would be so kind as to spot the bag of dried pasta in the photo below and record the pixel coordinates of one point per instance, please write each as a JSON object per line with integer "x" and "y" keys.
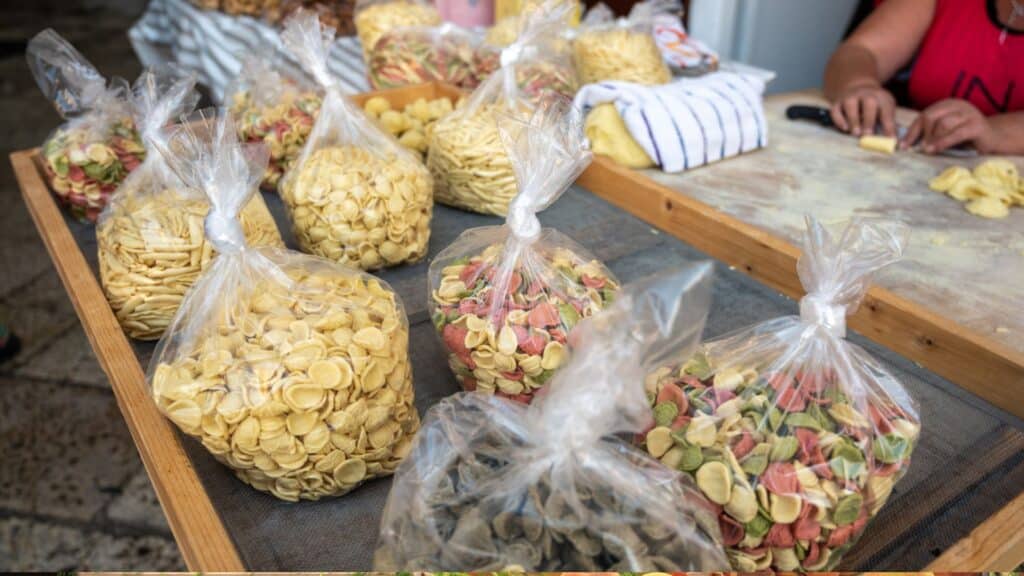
{"x": 417, "y": 54}
{"x": 87, "y": 156}
{"x": 291, "y": 370}
{"x": 623, "y": 49}
{"x": 150, "y": 239}
{"x": 471, "y": 169}
{"x": 374, "y": 18}
{"x": 505, "y": 299}
{"x": 275, "y": 106}
{"x": 355, "y": 195}
{"x": 491, "y": 484}
{"x": 798, "y": 434}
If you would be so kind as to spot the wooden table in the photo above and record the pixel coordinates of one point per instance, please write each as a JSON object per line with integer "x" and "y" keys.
{"x": 962, "y": 494}
{"x": 955, "y": 304}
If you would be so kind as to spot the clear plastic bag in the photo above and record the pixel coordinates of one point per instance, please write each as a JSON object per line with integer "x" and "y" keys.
{"x": 355, "y": 195}
{"x": 624, "y": 49}
{"x": 471, "y": 169}
{"x": 374, "y": 18}
{"x": 413, "y": 55}
{"x": 150, "y": 241}
{"x": 88, "y": 156}
{"x": 505, "y": 299}
{"x": 798, "y": 434}
{"x": 290, "y": 369}
{"x": 494, "y": 485}
{"x": 276, "y": 106}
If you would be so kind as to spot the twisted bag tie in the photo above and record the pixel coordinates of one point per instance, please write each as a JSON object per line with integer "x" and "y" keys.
{"x": 224, "y": 231}
{"x": 523, "y": 222}
{"x": 817, "y": 310}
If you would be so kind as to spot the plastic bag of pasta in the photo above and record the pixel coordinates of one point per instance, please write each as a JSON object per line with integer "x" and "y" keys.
{"x": 151, "y": 244}
{"x": 471, "y": 169}
{"x": 275, "y": 106}
{"x": 88, "y": 156}
{"x": 623, "y": 49}
{"x": 290, "y": 369}
{"x": 417, "y": 54}
{"x": 374, "y": 18}
{"x": 505, "y": 299}
{"x": 796, "y": 433}
{"x": 355, "y": 195}
{"x": 491, "y": 484}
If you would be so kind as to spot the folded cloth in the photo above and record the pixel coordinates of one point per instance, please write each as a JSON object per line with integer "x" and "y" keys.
{"x": 691, "y": 121}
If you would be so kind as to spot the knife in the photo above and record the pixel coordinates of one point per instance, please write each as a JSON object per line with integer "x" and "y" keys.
{"x": 821, "y": 116}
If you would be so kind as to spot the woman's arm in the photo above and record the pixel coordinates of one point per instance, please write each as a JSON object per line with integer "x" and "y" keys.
{"x": 877, "y": 49}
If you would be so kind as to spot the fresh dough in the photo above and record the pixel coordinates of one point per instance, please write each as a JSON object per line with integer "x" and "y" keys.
{"x": 609, "y": 136}
{"x": 989, "y": 191}
{"x": 878, "y": 143}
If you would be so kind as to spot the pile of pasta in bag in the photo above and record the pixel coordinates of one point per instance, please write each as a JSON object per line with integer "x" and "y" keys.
{"x": 375, "y": 18}
{"x": 505, "y": 299}
{"x": 151, "y": 244}
{"x": 623, "y": 49}
{"x": 798, "y": 435}
{"x": 417, "y": 54}
{"x": 290, "y": 369}
{"x": 275, "y": 106}
{"x": 466, "y": 157}
{"x": 354, "y": 194}
{"x": 495, "y": 485}
{"x": 88, "y": 156}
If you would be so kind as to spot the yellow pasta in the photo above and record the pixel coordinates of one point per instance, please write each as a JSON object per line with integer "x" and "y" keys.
{"x": 376, "y": 19}
{"x": 468, "y": 162}
{"x": 989, "y": 191}
{"x": 619, "y": 54}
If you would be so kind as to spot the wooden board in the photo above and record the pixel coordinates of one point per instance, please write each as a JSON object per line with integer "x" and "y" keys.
{"x": 204, "y": 540}
{"x": 953, "y": 304}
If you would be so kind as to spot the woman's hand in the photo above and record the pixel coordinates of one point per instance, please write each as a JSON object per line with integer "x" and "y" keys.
{"x": 858, "y": 107}
{"x": 948, "y": 123}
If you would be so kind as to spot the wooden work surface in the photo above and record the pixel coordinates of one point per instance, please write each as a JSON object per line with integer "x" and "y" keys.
{"x": 955, "y": 303}
{"x": 962, "y": 494}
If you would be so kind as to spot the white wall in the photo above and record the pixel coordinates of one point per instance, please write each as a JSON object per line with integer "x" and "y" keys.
{"x": 794, "y": 38}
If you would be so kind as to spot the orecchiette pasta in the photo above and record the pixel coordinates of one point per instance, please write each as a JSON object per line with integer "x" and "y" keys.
{"x": 304, "y": 389}
{"x": 359, "y": 208}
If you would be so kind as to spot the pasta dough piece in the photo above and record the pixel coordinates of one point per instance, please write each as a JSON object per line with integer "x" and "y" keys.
{"x": 878, "y": 144}
{"x": 988, "y": 191}
{"x": 988, "y": 207}
{"x": 950, "y": 176}
{"x": 609, "y": 137}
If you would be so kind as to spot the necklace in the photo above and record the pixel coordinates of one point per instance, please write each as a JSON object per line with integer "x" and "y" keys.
{"x": 1016, "y": 9}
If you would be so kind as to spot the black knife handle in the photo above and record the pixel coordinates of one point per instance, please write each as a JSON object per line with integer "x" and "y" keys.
{"x": 813, "y": 113}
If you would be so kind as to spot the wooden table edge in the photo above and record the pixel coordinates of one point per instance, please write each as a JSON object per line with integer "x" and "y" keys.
{"x": 973, "y": 361}
{"x": 995, "y": 545}
{"x": 197, "y": 528}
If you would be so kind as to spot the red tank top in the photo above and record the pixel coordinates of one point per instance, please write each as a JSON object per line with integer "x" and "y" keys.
{"x": 962, "y": 57}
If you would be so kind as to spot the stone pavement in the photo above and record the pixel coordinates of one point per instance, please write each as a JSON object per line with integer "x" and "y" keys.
{"x": 73, "y": 492}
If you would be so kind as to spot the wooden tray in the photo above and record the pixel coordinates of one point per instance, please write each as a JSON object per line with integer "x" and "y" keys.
{"x": 183, "y": 476}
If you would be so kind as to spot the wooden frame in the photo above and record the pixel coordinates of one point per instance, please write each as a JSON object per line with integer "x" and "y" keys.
{"x": 975, "y": 362}
{"x": 995, "y": 544}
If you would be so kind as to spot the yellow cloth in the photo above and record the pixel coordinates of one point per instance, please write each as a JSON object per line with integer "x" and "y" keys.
{"x": 609, "y": 137}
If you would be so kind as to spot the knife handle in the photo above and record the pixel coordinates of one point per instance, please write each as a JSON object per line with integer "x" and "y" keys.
{"x": 813, "y": 113}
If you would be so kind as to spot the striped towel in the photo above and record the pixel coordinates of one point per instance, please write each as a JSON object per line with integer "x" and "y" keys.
{"x": 690, "y": 121}
{"x": 212, "y": 45}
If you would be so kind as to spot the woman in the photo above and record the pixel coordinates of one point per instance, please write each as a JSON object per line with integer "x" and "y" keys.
{"x": 967, "y": 77}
